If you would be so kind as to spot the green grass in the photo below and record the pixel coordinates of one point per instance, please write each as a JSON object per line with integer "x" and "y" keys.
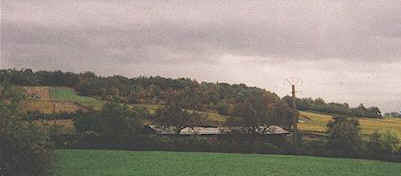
{"x": 125, "y": 163}
{"x": 217, "y": 117}
{"x": 212, "y": 116}
{"x": 68, "y": 94}
{"x": 317, "y": 123}
{"x": 151, "y": 108}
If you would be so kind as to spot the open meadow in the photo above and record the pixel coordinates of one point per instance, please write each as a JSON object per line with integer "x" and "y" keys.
{"x": 125, "y": 163}
{"x": 69, "y": 95}
{"x": 317, "y": 123}
{"x": 58, "y": 99}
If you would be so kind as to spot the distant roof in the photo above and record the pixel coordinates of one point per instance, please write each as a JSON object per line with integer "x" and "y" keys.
{"x": 272, "y": 130}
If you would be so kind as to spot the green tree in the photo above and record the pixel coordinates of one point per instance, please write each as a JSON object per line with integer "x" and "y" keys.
{"x": 283, "y": 115}
{"x": 344, "y": 135}
{"x": 222, "y": 108}
{"x": 115, "y": 122}
{"x": 251, "y": 116}
{"x": 25, "y": 149}
{"x": 118, "y": 121}
{"x": 386, "y": 142}
{"x": 174, "y": 116}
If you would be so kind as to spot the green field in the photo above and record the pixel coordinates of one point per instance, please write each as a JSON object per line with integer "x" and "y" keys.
{"x": 68, "y": 94}
{"x": 317, "y": 123}
{"x": 213, "y": 117}
{"x": 125, "y": 163}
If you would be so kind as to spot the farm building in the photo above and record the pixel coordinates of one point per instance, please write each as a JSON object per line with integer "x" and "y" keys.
{"x": 271, "y": 130}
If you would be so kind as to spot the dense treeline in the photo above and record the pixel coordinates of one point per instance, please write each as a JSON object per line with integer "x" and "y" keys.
{"x": 220, "y": 97}
{"x": 203, "y": 96}
{"x": 392, "y": 114}
{"x": 319, "y": 105}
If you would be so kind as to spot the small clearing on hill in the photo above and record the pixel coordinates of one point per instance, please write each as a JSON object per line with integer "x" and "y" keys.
{"x": 38, "y": 93}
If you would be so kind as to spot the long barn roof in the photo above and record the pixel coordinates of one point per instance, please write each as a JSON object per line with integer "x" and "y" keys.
{"x": 272, "y": 130}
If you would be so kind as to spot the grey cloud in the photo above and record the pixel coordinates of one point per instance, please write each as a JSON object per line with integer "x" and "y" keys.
{"x": 290, "y": 29}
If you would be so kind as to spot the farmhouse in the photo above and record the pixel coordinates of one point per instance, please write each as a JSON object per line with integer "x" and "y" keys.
{"x": 271, "y": 130}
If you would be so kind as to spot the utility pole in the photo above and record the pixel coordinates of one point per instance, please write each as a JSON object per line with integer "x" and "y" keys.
{"x": 294, "y": 106}
{"x": 293, "y": 82}
{"x": 54, "y": 112}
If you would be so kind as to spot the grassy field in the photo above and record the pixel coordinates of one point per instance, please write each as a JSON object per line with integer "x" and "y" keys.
{"x": 125, "y": 163}
{"x": 316, "y": 123}
{"x": 68, "y": 94}
{"x": 212, "y": 116}
{"x": 151, "y": 108}
{"x": 58, "y": 99}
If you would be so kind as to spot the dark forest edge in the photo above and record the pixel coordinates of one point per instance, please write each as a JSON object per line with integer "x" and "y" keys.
{"x": 201, "y": 96}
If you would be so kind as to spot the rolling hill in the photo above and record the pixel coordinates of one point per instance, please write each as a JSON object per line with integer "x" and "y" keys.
{"x": 311, "y": 122}
{"x": 62, "y": 99}
{"x": 58, "y": 99}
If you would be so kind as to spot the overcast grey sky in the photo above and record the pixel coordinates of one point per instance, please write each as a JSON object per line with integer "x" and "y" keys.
{"x": 343, "y": 50}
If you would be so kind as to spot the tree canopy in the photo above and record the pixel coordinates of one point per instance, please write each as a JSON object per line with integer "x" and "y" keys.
{"x": 319, "y": 105}
{"x": 256, "y": 113}
{"x": 25, "y": 149}
{"x": 201, "y": 96}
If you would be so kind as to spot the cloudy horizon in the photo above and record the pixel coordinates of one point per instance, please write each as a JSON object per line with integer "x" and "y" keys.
{"x": 343, "y": 50}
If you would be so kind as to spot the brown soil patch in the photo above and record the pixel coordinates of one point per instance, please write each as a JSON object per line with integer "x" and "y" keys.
{"x": 48, "y": 106}
{"x": 41, "y": 93}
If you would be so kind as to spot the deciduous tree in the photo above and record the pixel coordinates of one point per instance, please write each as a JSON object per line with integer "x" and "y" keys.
{"x": 344, "y": 135}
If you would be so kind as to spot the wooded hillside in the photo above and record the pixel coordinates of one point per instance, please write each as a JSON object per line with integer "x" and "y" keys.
{"x": 204, "y": 96}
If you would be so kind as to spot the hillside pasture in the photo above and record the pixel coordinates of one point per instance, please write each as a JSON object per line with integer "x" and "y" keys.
{"x": 213, "y": 117}
{"x": 313, "y": 122}
{"x": 151, "y": 108}
{"x": 58, "y": 99}
{"x": 217, "y": 118}
{"x": 38, "y": 93}
{"x": 69, "y": 95}
{"x": 316, "y": 123}
{"x": 369, "y": 126}
{"x": 51, "y": 106}
{"x": 126, "y": 163}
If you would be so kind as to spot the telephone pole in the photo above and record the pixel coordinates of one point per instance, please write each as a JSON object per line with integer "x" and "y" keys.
{"x": 293, "y": 82}
{"x": 294, "y": 106}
